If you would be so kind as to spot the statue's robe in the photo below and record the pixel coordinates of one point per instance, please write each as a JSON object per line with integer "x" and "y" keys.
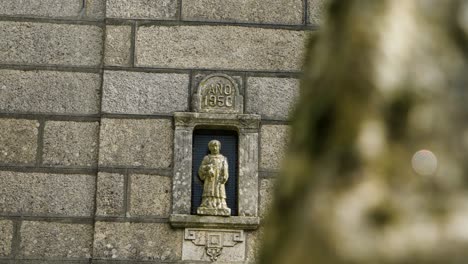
{"x": 214, "y": 185}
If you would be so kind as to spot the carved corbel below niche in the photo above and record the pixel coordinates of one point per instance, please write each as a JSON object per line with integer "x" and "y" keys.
{"x": 203, "y": 244}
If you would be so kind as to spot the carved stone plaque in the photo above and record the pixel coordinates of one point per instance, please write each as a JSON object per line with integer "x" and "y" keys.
{"x": 218, "y": 93}
{"x": 213, "y": 245}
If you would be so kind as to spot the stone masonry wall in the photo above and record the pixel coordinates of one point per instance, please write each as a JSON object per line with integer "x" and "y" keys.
{"x": 87, "y": 93}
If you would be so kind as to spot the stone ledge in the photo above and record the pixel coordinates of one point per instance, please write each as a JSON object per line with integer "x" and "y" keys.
{"x": 233, "y": 120}
{"x": 232, "y": 222}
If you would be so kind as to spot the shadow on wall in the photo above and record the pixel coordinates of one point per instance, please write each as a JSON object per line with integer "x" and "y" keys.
{"x": 376, "y": 169}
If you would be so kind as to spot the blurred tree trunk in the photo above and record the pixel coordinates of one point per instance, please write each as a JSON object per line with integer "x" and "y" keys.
{"x": 383, "y": 81}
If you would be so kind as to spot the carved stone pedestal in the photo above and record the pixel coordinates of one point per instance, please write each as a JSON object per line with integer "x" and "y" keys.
{"x": 214, "y": 211}
{"x": 213, "y": 245}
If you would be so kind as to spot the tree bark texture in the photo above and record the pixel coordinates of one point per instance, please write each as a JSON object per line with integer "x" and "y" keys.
{"x": 376, "y": 170}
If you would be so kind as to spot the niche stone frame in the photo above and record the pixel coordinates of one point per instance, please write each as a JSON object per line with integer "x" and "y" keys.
{"x": 216, "y": 114}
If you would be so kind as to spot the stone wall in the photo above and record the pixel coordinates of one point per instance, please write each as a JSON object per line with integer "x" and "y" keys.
{"x": 88, "y": 89}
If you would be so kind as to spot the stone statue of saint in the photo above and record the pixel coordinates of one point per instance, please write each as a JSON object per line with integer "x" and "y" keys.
{"x": 214, "y": 174}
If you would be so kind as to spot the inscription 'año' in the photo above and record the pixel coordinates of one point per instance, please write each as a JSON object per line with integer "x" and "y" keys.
{"x": 218, "y": 94}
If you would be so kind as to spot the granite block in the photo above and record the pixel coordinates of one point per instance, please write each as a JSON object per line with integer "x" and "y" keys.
{"x": 252, "y": 11}
{"x": 18, "y": 141}
{"x": 70, "y": 143}
{"x": 150, "y": 195}
{"x": 41, "y": 194}
{"x": 273, "y": 144}
{"x": 110, "y": 194}
{"x": 60, "y": 240}
{"x": 49, "y": 92}
{"x": 6, "y": 237}
{"x": 95, "y": 9}
{"x": 137, "y": 241}
{"x": 316, "y": 10}
{"x": 145, "y": 93}
{"x": 266, "y": 196}
{"x": 136, "y": 143}
{"x": 219, "y": 47}
{"x": 41, "y": 8}
{"x": 50, "y": 44}
{"x": 273, "y": 98}
{"x": 138, "y": 9}
{"x": 118, "y": 44}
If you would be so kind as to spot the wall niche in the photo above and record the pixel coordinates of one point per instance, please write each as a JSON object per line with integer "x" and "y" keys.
{"x": 216, "y": 116}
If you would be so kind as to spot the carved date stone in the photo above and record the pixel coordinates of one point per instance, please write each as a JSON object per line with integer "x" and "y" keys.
{"x": 214, "y": 174}
{"x": 213, "y": 245}
{"x": 218, "y": 93}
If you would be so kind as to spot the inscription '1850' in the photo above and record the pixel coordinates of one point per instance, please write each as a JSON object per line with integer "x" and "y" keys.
{"x": 218, "y": 94}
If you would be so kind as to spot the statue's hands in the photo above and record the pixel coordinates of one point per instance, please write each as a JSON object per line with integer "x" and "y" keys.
{"x": 210, "y": 171}
{"x": 223, "y": 180}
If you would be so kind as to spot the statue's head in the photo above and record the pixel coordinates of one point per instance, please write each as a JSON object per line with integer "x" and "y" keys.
{"x": 214, "y": 146}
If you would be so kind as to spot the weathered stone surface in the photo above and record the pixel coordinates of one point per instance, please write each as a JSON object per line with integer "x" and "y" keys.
{"x": 182, "y": 180}
{"x": 144, "y": 93}
{"x": 273, "y": 145}
{"x": 225, "y": 47}
{"x": 47, "y": 43}
{"x": 110, "y": 194}
{"x": 70, "y": 143}
{"x": 214, "y": 211}
{"x": 18, "y": 141}
{"x": 104, "y": 261}
{"x": 273, "y": 98}
{"x": 248, "y": 173}
{"x": 95, "y": 9}
{"x": 118, "y": 42}
{"x": 49, "y": 92}
{"x": 139, "y": 241}
{"x": 42, "y": 8}
{"x": 6, "y": 236}
{"x": 265, "y": 11}
{"x": 316, "y": 9}
{"x": 53, "y": 8}
{"x": 47, "y": 194}
{"x": 266, "y": 195}
{"x": 137, "y": 9}
{"x": 232, "y": 222}
{"x": 48, "y": 239}
{"x": 126, "y": 142}
{"x": 47, "y": 261}
{"x": 221, "y": 245}
{"x": 150, "y": 195}
{"x": 254, "y": 239}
